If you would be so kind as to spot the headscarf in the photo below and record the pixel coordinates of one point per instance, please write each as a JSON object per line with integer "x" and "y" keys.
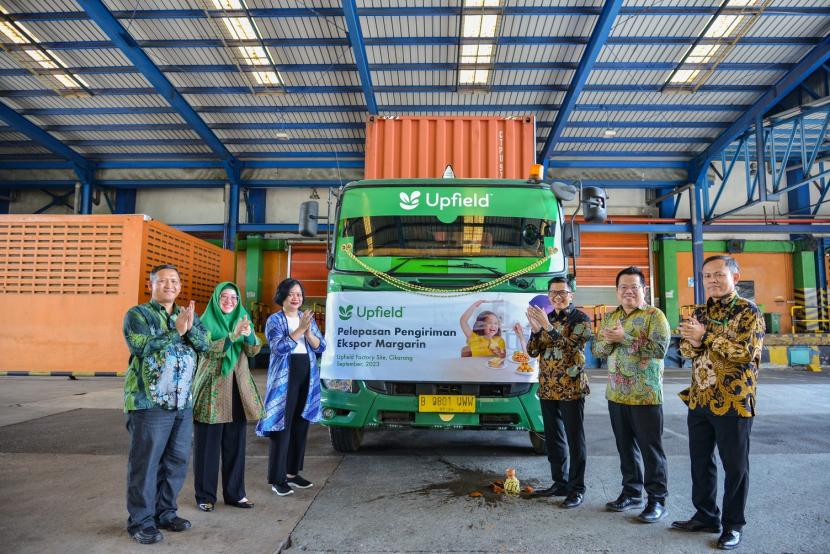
{"x": 219, "y": 324}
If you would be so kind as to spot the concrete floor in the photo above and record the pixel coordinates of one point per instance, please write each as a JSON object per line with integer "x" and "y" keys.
{"x": 63, "y": 464}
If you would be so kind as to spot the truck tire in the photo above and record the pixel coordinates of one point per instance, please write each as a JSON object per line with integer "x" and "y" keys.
{"x": 537, "y": 441}
{"x": 346, "y": 439}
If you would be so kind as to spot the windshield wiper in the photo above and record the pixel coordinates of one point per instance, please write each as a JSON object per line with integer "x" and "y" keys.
{"x": 516, "y": 281}
{"x": 375, "y": 281}
{"x": 471, "y": 265}
{"x": 406, "y": 261}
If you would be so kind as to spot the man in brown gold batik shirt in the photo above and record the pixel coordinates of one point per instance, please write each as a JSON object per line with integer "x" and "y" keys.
{"x": 724, "y": 341}
{"x": 559, "y": 341}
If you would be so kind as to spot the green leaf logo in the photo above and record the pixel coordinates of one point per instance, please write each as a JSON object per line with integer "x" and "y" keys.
{"x": 346, "y": 312}
{"x": 410, "y": 201}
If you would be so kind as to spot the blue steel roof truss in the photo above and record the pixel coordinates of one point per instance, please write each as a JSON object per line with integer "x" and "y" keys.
{"x": 800, "y": 148}
{"x": 555, "y": 117}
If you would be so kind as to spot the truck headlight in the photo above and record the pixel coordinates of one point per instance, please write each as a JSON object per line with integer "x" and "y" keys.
{"x": 345, "y": 385}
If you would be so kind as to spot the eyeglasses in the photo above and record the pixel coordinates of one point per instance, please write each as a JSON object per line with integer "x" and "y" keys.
{"x": 559, "y": 293}
{"x": 229, "y": 298}
{"x": 632, "y": 288}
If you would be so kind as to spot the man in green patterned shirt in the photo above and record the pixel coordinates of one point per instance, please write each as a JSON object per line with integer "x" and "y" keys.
{"x": 634, "y": 339}
{"x": 163, "y": 340}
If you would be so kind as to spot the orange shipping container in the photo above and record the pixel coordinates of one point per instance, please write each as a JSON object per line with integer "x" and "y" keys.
{"x": 67, "y": 281}
{"x": 476, "y": 147}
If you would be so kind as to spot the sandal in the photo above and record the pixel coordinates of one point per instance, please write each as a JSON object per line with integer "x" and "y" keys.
{"x": 206, "y": 507}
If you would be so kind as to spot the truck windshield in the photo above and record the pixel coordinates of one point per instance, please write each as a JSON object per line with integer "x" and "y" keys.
{"x": 467, "y": 236}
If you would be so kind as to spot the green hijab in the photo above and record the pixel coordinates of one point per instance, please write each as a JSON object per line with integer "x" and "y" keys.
{"x": 220, "y": 324}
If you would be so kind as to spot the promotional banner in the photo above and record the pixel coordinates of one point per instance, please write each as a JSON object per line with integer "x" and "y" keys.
{"x": 400, "y": 336}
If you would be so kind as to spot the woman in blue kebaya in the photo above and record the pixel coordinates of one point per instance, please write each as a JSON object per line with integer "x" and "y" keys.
{"x": 292, "y": 396}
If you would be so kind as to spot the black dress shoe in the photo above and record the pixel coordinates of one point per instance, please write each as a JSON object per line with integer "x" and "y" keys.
{"x": 695, "y": 526}
{"x": 654, "y": 512}
{"x": 177, "y": 525}
{"x": 572, "y": 501}
{"x": 624, "y": 503}
{"x": 729, "y": 540}
{"x": 151, "y": 535}
{"x": 553, "y": 490}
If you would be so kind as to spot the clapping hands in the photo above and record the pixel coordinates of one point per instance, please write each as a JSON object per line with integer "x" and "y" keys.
{"x": 692, "y": 330}
{"x": 537, "y": 317}
{"x": 184, "y": 321}
{"x": 614, "y": 334}
{"x": 305, "y": 321}
{"x": 243, "y": 327}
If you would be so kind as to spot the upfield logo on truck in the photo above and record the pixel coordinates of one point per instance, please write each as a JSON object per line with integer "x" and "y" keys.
{"x": 346, "y": 312}
{"x": 370, "y": 312}
{"x": 436, "y": 199}
{"x": 410, "y": 201}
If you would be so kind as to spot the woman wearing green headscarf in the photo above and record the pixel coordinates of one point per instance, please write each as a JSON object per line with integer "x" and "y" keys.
{"x": 225, "y": 398}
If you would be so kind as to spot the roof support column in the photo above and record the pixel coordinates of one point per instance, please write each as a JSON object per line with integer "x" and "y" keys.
{"x": 255, "y": 205}
{"x": 695, "y": 206}
{"x": 86, "y": 184}
{"x": 760, "y": 157}
{"x": 807, "y": 266}
{"x": 232, "y": 206}
{"x": 125, "y": 201}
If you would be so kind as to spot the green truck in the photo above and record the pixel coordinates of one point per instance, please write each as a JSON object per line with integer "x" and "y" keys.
{"x": 427, "y": 291}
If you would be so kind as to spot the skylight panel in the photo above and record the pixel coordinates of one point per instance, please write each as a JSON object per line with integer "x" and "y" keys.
{"x": 480, "y": 23}
{"x": 730, "y": 23}
{"x": 236, "y": 24}
{"x": 40, "y": 62}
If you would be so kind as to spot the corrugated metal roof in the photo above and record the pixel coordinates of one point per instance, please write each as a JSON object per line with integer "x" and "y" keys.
{"x": 219, "y": 95}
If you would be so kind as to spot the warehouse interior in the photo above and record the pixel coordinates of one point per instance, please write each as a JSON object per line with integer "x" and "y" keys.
{"x": 136, "y": 132}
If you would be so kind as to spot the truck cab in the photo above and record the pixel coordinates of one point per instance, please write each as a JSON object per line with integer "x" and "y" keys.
{"x": 414, "y": 263}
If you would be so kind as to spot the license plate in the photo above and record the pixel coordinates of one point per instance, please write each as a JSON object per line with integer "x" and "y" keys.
{"x": 447, "y": 403}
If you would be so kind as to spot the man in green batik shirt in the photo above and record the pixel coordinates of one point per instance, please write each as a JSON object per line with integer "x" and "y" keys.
{"x": 634, "y": 338}
{"x": 163, "y": 340}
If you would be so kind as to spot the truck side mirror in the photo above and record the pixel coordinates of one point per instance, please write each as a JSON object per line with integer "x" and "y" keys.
{"x": 308, "y": 218}
{"x": 563, "y": 191}
{"x": 570, "y": 240}
{"x": 594, "y": 204}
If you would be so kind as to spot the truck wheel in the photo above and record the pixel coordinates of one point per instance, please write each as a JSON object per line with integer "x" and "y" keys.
{"x": 346, "y": 439}
{"x": 537, "y": 441}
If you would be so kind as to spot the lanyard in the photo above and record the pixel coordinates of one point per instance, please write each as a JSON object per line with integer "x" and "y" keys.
{"x": 731, "y": 304}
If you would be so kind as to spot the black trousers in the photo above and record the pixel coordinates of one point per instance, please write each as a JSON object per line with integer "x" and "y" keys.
{"x": 638, "y": 431}
{"x": 564, "y": 436}
{"x": 731, "y": 435}
{"x": 228, "y": 438}
{"x": 287, "y": 447}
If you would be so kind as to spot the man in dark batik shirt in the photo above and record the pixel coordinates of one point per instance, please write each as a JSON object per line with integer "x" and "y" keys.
{"x": 724, "y": 341}
{"x": 559, "y": 341}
